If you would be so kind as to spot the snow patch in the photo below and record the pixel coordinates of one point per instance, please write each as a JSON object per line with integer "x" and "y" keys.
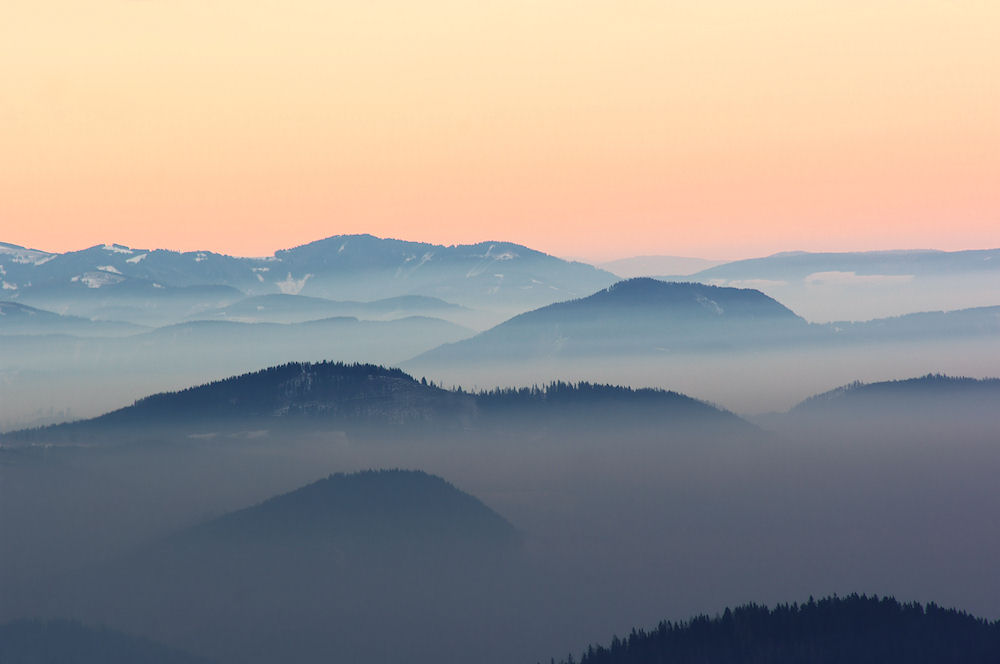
{"x": 341, "y": 250}
{"x": 710, "y": 304}
{"x": 136, "y": 259}
{"x": 117, "y": 249}
{"x": 43, "y": 261}
{"x": 22, "y": 255}
{"x": 505, "y": 256}
{"x": 109, "y": 268}
{"x": 291, "y": 286}
{"x": 99, "y": 279}
{"x": 8, "y": 286}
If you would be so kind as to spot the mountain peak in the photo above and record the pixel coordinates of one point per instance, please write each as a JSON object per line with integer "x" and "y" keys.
{"x": 374, "y": 505}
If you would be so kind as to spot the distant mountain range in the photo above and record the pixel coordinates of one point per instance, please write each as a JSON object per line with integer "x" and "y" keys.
{"x": 856, "y": 286}
{"x": 286, "y": 308}
{"x": 155, "y": 287}
{"x": 652, "y": 266}
{"x": 799, "y": 265}
{"x": 109, "y": 278}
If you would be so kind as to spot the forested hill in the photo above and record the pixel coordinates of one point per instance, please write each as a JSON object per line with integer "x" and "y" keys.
{"x": 915, "y": 394}
{"x": 366, "y": 395}
{"x": 850, "y": 630}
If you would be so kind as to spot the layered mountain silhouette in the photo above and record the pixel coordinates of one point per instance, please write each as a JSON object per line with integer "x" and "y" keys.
{"x": 286, "y": 308}
{"x": 352, "y": 267}
{"x": 836, "y": 630}
{"x": 650, "y": 318}
{"x": 202, "y": 350}
{"x": 865, "y": 285}
{"x": 18, "y": 318}
{"x": 361, "y": 396}
{"x": 798, "y": 265}
{"x": 957, "y": 324}
{"x": 70, "y": 642}
{"x": 653, "y": 266}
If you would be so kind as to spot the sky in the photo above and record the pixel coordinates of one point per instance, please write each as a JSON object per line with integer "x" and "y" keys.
{"x": 595, "y": 129}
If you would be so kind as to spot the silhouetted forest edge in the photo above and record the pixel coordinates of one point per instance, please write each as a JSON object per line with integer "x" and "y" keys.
{"x": 852, "y": 629}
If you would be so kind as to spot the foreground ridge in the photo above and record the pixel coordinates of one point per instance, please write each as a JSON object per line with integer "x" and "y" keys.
{"x": 833, "y": 630}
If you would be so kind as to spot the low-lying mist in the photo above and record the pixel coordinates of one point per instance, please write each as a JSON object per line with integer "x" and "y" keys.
{"x": 619, "y": 526}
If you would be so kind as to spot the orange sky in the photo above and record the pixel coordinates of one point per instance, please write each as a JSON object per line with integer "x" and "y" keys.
{"x": 585, "y": 128}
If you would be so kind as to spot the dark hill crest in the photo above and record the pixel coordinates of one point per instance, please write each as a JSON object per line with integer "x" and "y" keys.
{"x": 368, "y": 507}
{"x": 364, "y": 398}
{"x": 855, "y": 629}
{"x": 931, "y": 387}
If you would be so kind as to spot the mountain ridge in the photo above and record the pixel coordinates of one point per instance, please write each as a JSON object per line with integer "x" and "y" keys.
{"x": 362, "y": 395}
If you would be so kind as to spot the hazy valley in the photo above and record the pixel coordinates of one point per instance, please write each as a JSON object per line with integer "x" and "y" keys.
{"x": 411, "y": 458}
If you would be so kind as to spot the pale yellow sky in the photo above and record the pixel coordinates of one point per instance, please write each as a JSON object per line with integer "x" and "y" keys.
{"x": 588, "y": 128}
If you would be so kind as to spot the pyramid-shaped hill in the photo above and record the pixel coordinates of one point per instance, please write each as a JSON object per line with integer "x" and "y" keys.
{"x": 367, "y": 509}
{"x": 307, "y": 574}
{"x": 634, "y": 317}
